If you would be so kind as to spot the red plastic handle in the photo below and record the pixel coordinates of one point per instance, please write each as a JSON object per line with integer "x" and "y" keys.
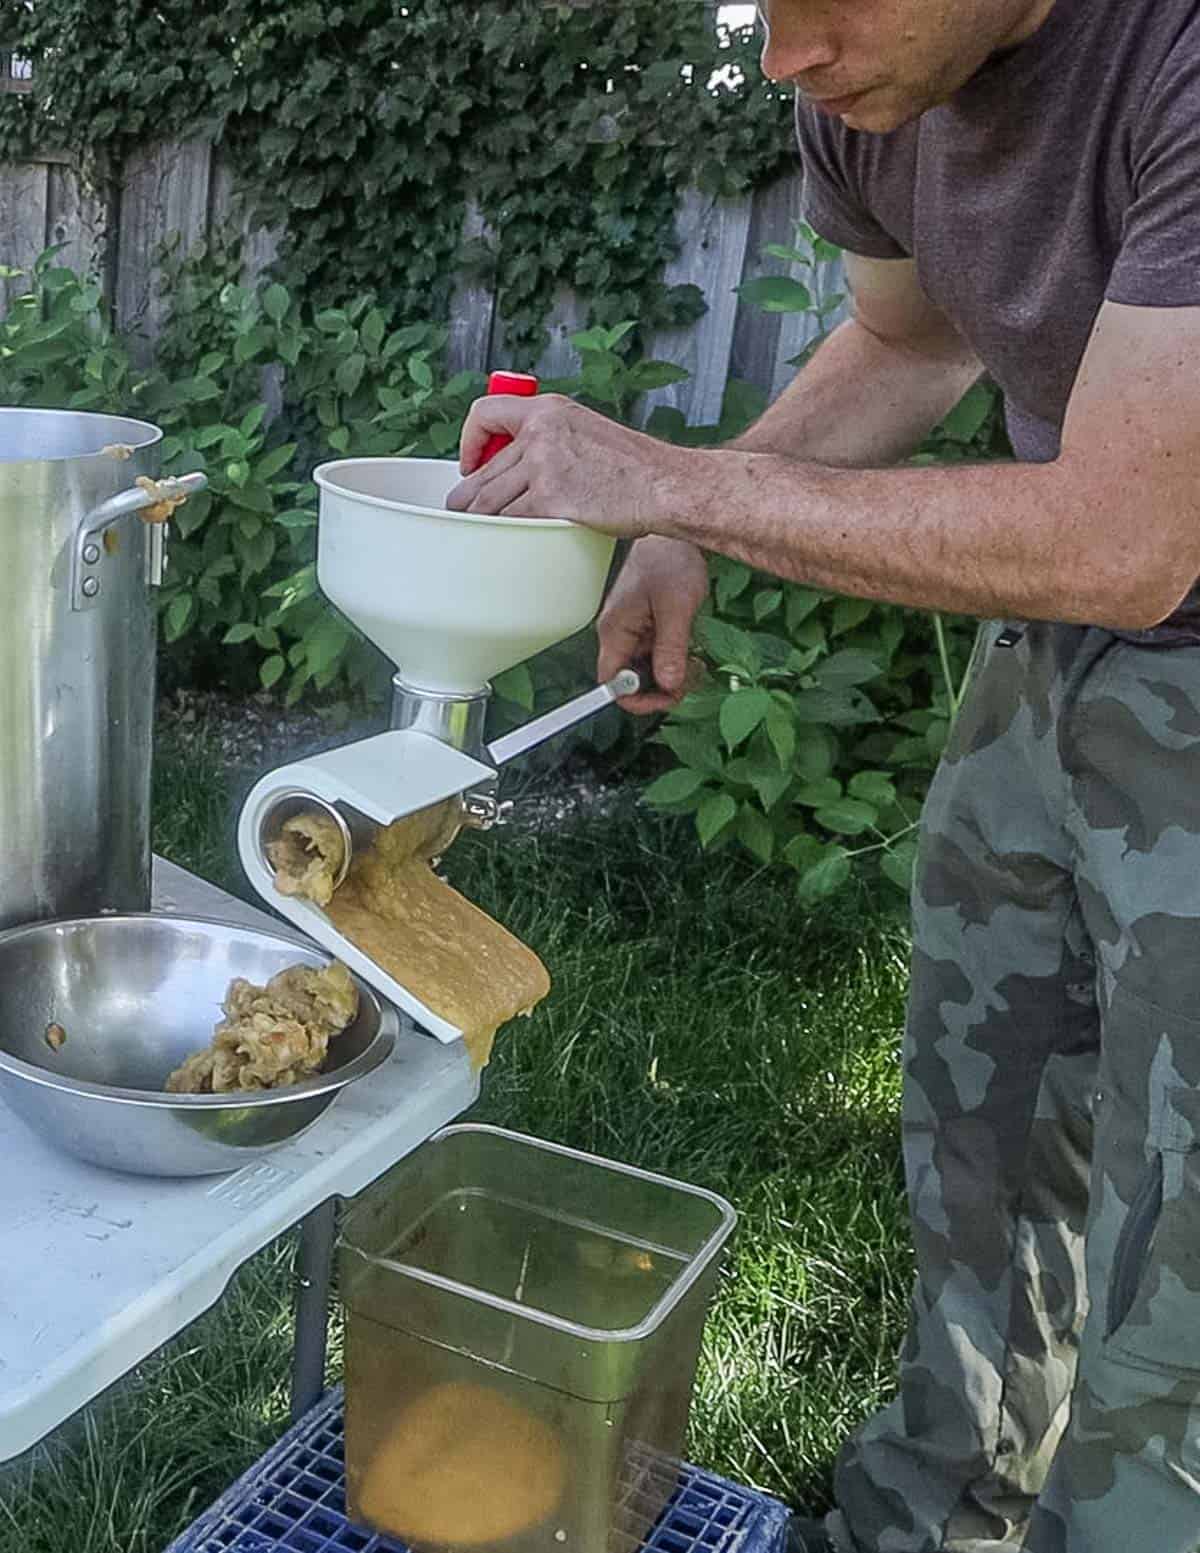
{"x": 519, "y": 383}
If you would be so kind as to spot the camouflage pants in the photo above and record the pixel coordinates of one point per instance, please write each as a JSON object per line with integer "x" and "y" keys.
{"x": 1050, "y": 1384}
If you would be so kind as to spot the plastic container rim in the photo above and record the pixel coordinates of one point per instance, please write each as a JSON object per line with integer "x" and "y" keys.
{"x": 324, "y": 475}
{"x": 697, "y": 1265}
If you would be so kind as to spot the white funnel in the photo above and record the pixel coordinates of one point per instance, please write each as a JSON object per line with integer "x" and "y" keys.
{"x": 452, "y": 598}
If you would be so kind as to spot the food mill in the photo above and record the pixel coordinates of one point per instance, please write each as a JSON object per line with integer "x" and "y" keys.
{"x": 452, "y": 599}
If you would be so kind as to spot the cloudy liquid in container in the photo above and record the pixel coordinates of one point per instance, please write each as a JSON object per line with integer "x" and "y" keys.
{"x": 447, "y": 1450}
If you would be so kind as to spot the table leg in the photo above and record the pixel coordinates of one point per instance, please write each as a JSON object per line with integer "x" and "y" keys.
{"x": 314, "y": 1272}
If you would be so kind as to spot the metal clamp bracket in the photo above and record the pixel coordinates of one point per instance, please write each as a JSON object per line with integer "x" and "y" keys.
{"x": 89, "y": 552}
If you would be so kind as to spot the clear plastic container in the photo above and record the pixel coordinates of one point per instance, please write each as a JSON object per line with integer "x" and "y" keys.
{"x": 523, "y": 1326}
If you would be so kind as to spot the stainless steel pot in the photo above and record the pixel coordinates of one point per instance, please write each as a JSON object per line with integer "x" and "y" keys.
{"x": 77, "y": 660}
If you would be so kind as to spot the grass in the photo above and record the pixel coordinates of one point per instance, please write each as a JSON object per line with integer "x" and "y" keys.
{"x": 700, "y": 1024}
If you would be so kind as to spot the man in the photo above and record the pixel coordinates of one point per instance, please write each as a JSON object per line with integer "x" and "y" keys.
{"x": 1017, "y": 186}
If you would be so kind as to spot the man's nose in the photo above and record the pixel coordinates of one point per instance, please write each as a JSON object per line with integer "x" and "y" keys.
{"x": 800, "y": 40}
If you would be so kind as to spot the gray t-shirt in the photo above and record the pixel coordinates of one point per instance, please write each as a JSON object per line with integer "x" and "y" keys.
{"x": 1065, "y": 173}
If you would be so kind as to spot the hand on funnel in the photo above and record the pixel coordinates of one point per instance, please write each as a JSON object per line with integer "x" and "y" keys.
{"x": 566, "y": 461}
{"x": 649, "y": 614}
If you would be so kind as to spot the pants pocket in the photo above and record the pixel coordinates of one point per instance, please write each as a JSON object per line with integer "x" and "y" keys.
{"x": 1154, "y": 1285}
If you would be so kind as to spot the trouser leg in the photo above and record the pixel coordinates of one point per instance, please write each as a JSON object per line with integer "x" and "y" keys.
{"x": 1000, "y": 1060}
{"x": 1127, "y": 1474}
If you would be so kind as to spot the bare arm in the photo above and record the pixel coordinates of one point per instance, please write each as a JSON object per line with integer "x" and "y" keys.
{"x": 1106, "y": 534}
{"x": 878, "y": 384}
{"x": 869, "y": 396}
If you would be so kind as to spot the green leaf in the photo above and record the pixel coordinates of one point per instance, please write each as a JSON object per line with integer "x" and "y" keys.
{"x": 728, "y": 644}
{"x": 816, "y": 754}
{"x": 675, "y": 786}
{"x": 756, "y": 832}
{"x": 237, "y": 634}
{"x": 614, "y": 336}
{"x": 272, "y": 671}
{"x": 741, "y": 713}
{"x": 713, "y": 815}
{"x": 255, "y": 498}
{"x": 848, "y": 816}
{"x": 768, "y": 780}
{"x": 648, "y": 375}
{"x": 966, "y": 420}
{"x": 731, "y": 581}
{"x": 899, "y": 864}
{"x": 766, "y": 602}
{"x": 824, "y": 877}
{"x": 516, "y": 685}
{"x": 274, "y": 462}
{"x": 696, "y": 745}
{"x": 257, "y": 553}
{"x": 350, "y": 373}
{"x": 803, "y": 851}
{"x": 816, "y": 795}
{"x": 420, "y": 371}
{"x": 252, "y": 420}
{"x": 276, "y": 302}
{"x": 249, "y": 345}
{"x": 667, "y": 423}
{"x": 799, "y": 604}
{"x": 179, "y": 614}
{"x": 296, "y": 518}
{"x": 849, "y": 613}
{"x": 374, "y": 328}
{"x": 845, "y": 669}
{"x": 790, "y": 255}
{"x": 781, "y": 730}
{"x": 777, "y": 294}
{"x": 190, "y": 517}
{"x": 324, "y": 645}
{"x": 208, "y": 436}
{"x": 874, "y": 787}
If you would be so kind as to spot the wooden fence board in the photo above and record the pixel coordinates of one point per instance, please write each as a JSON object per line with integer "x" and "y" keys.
{"x": 23, "y": 191}
{"x": 164, "y": 197}
{"x": 78, "y": 218}
{"x": 472, "y": 308}
{"x": 713, "y": 247}
{"x": 755, "y": 349}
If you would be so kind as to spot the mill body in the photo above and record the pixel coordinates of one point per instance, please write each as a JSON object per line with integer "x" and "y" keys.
{"x": 452, "y": 599}
{"x": 77, "y": 662}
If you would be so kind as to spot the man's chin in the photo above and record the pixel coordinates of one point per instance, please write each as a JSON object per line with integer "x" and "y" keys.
{"x": 879, "y": 116}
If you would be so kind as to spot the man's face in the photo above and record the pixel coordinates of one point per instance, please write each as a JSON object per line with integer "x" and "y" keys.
{"x": 877, "y": 64}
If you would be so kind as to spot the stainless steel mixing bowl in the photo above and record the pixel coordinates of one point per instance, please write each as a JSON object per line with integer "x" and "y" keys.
{"x": 134, "y": 996}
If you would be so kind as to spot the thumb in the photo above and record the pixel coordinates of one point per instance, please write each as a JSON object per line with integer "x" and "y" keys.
{"x": 491, "y": 415}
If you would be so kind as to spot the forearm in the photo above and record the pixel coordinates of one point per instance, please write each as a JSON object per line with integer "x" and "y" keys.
{"x": 863, "y": 401}
{"x": 1024, "y": 541}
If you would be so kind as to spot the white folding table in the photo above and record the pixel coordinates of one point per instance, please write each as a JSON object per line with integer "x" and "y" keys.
{"x": 98, "y": 1270}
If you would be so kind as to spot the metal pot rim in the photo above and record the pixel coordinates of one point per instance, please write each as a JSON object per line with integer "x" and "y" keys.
{"x": 378, "y": 1051}
{"x": 152, "y": 434}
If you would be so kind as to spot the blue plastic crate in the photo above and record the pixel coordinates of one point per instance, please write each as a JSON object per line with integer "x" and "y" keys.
{"x": 294, "y": 1501}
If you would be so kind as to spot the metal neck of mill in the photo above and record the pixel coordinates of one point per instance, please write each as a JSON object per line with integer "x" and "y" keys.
{"x": 455, "y": 719}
